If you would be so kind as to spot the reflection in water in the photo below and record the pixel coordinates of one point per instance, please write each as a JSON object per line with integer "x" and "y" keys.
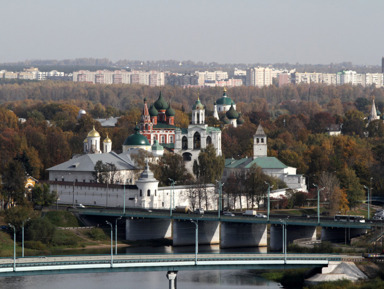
{"x": 148, "y": 280}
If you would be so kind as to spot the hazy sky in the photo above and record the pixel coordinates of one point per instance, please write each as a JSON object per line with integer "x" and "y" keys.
{"x": 225, "y": 31}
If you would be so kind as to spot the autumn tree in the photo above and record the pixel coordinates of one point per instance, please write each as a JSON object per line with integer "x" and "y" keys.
{"x": 14, "y": 183}
{"x": 210, "y": 166}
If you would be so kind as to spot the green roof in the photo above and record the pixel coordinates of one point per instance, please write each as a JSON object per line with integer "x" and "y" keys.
{"x": 160, "y": 103}
{"x": 156, "y": 146}
{"x": 164, "y": 125}
{"x": 232, "y": 113}
{"x": 198, "y": 105}
{"x": 153, "y": 111}
{"x": 168, "y": 145}
{"x": 262, "y": 162}
{"x": 136, "y": 139}
{"x": 211, "y": 128}
{"x": 224, "y": 101}
{"x": 170, "y": 111}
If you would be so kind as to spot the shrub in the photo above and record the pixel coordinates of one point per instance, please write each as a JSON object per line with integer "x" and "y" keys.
{"x": 62, "y": 219}
{"x": 64, "y": 238}
{"x": 96, "y": 234}
{"x": 35, "y": 245}
{"x": 40, "y": 230}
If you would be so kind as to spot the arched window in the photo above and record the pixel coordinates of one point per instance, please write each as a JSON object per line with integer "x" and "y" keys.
{"x": 209, "y": 140}
{"x": 162, "y": 139}
{"x": 262, "y": 140}
{"x": 171, "y": 138}
{"x": 148, "y": 193}
{"x": 187, "y": 157}
{"x": 257, "y": 140}
{"x": 155, "y": 192}
{"x": 141, "y": 193}
{"x": 196, "y": 141}
{"x": 184, "y": 142}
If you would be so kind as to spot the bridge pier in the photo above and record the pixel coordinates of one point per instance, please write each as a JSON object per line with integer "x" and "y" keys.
{"x": 184, "y": 232}
{"x": 147, "y": 229}
{"x": 243, "y": 235}
{"x": 172, "y": 277}
{"x": 293, "y": 233}
{"x": 341, "y": 234}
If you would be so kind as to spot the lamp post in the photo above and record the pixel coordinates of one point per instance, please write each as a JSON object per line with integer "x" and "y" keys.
{"x": 110, "y": 224}
{"x": 170, "y": 196}
{"x": 14, "y": 245}
{"x": 318, "y": 201}
{"x": 196, "y": 239}
{"x": 269, "y": 198}
{"x": 124, "y": 198}
{"x": 368, "y": 193}
{"x": 284, "y": 233}
{"x": 22, "y": 236}
{"x": 220, "y": 198}
{"x": 119, "y": 218}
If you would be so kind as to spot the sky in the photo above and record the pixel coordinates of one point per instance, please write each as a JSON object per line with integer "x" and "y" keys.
{"x": 223, "y": 31}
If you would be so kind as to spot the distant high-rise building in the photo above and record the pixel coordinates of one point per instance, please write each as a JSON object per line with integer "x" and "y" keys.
{"x": 382, "y": 65}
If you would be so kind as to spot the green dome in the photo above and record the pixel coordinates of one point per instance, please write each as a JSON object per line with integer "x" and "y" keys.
{"x": 226, "y": 120}
{"x": 240, "y": 120}
{"x": 170, "y": 111}
{"x": 225, "y": 100}
{"x": 232, "y": 113}
{"x": 156, "y": 146}
{"x": 160, "y": 103}
{"x": 136, "y": 139}
{"x": 198, "y": 105}
{"x": 153, "y": 111}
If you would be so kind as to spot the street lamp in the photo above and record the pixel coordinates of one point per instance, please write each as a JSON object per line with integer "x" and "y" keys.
{"x": 196, "y": 239}
{"x": 14, "y": 245}
{"x": 22, "y": 236}
{"x": 269, "y": 198}
{"x": 284, "y": 233}
{"x": 170, "y": 196}
{"x": 119, "y": 218}
{"x": 111, "y": 242}
{"x": 368, "y": 193}
{"x": 318, "y": 201}
{"x": 124, "y": 197}
{"x": 220, "y": 197}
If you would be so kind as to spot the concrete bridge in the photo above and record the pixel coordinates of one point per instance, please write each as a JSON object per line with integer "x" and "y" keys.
{"x": 228, "y": 231}
{"x": 171, "y": 263}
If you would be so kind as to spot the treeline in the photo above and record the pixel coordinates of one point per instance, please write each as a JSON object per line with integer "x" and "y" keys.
{"x": 306, "y": 99}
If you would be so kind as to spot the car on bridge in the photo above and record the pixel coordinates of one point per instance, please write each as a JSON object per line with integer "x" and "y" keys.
{"x": 228, "y": 214}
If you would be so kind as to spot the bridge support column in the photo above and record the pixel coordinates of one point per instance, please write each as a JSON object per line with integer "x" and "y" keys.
{"x": 184, "y": 233}
{"x": 147, "y": 229}
{"x": 172, "y": 277}
{"x": 243, "y": 235}
{"x": 341, "y": 234}
{"x": 293, "y": 233}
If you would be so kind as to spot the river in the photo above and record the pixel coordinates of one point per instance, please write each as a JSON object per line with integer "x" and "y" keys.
{"x": 219, "y": 279}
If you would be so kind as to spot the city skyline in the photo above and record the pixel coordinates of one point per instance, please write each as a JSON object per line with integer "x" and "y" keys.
{"x": 227, "y": 31}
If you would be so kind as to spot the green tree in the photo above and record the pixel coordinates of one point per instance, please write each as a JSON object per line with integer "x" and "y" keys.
{"x": 40, "y": 230}
{"x": 170, "y": 166}
{"x": 349, "y": 181}
{"x": 14, "y": 182}
{"x": 210, "y": 166}
{"x": 41, "y": 195}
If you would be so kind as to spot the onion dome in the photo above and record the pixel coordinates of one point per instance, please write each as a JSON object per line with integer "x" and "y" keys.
{"x": 225, "y": 100}
{"x": 198, "y": 104}
{"x": 226, "y": 120}
{"x": 232, "y": 113}
{"x": 240, "y": 120}
{"x": 153, "y": 111}
{"x": 170, "y": 111}
{"x": 93, "y": 133}
{"x": 107, "y": 140}
{"x": 160, "y": 103}
{"x": 136, "y": 139}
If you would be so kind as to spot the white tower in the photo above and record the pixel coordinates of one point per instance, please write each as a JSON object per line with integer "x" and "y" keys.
{"x": 107, "y": 145}
{"x": 260, "y": 147}
{"x": 215, "y": 114}
{"x": 92, "y": 142}
{"x": 147, "y": 185}
{"x": 373, "y": 116}
{"x": 198, "y": 113}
